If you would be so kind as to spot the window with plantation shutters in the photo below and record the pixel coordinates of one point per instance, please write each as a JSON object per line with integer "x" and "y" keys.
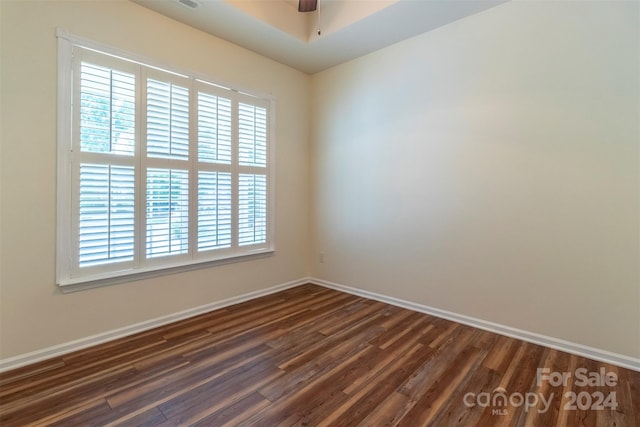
{"x": 158, "y": 169}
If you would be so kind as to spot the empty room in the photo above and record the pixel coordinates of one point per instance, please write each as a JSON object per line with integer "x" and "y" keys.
{"x": 319, "y": 213}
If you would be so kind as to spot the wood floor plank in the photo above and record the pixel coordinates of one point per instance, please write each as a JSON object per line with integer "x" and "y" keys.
{"x": 309, "y": 356}
{"x": 68, "y": 395}
{"x": 457, "y": 411}
{"x": 29, "y": 371}
{"x": 501, "y": 354}
{"x": 385, "y": 412}
{"x": 150, "y": 418}
{"x": 313, "y": 394}
{"x": 434, "y": 399}
{"x": 386, "y": 359}
{"x": 633, "y": 387}
{"x": 177, "y": 382}
{"x": 363, "y": 401}
{"x": 547, "y": 413}
{"x": 365, "y": 320}
{"x": 233, "y": 414}
{"x": 565, "y": 417}
{"x": 203, "y": 401}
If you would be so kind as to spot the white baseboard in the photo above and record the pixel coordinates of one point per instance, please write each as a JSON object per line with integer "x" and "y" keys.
{"x": 71, "y": 346}
{"x": 555, "y": 343}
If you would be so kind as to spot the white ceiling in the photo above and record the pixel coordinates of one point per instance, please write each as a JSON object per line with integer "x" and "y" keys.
{"x": 349, "y": 28}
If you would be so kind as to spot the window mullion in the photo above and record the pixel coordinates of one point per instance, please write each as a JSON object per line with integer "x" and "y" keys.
{"x": 193, "y": 170}
{"x": 235, "y": 155}
{"x": 141, "y": 201}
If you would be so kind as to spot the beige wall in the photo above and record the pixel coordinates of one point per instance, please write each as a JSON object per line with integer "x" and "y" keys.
{"x": 490, "y": 168}
{"x": 33, "y": 313}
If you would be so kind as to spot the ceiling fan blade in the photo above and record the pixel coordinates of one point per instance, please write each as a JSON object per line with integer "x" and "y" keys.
{"x": 307, "y": 5}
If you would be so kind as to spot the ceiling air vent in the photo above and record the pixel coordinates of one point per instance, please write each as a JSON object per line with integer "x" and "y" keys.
{"x": 189, "y": 3}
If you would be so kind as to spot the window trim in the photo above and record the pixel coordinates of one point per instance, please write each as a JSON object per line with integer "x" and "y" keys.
{"x": 65, "y": 267}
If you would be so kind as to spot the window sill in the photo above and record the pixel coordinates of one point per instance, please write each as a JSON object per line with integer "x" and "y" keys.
{"x": 96, "y": 281}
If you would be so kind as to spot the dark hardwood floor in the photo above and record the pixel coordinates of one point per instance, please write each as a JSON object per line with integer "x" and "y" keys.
{"x": 312, "y": 356}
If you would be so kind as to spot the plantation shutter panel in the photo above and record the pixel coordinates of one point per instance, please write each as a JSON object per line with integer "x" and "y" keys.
{"x": 167, "y": 120}
{"x": 167, "y": 212}
{"x": 215, "y": 177}
{"x": 252, "y": 207}
{"x": 104, "y": 199}
{"x": 252, "y": 140}
{"x": 252, "y": 179}
{"x": 107, "y": 200}
{"x": 107, "y": 110}
{"x": 167, "y": 161}
{"x": 214, "y": 129}
{"x": 214, "y": 210}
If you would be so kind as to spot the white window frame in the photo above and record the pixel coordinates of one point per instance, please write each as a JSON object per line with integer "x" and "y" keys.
{"x": 68, "y": 274}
